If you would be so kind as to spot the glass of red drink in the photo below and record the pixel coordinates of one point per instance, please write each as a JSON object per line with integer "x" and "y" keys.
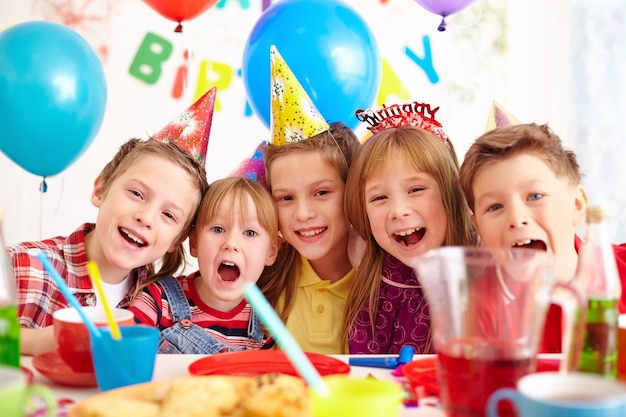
{"x": 488, "y": 311}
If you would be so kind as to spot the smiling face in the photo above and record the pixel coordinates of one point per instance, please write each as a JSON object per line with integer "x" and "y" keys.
{"x": 405, "y": 211}
{"x": 141, "y": 215}
{"x": 520, "y": 202}
{"x": 232, "y": 249}
{"x": 308, "y": 192}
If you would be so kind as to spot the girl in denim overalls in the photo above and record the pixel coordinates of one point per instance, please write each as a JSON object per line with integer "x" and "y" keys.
{"x": 234, "y": 238}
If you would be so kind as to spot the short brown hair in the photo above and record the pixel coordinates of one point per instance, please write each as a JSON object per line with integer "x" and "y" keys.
{"x": 504, "y": 142}
{"x": 126, "y": 156}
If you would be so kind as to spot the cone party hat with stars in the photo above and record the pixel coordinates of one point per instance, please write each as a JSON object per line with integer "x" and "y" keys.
{"x": 252, "y": 167}
{"x": 500, "y": 117}
{"x": 191, "y": 128}
{"x": 294, "y": 116}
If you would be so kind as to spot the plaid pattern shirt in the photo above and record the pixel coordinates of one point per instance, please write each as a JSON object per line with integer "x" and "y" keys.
{"x": 38, "y": 295}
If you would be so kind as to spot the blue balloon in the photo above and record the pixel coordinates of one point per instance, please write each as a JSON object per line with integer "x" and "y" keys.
{"x": 52, "y": 96}
{"x": 329, "y": 48}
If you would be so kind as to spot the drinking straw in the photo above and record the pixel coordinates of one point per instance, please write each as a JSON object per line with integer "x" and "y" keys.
{"x": 286, "y": 341}
{"x": 93, "y": 329}
{"x": 94, "y": 272}
{"x": 66, "y": 292}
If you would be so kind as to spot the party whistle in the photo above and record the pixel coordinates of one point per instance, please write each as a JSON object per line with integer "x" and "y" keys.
{"x": 405, "y": 356}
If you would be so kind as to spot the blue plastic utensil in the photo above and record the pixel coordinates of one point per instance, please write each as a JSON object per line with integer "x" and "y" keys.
{"x": 390, "y": 362}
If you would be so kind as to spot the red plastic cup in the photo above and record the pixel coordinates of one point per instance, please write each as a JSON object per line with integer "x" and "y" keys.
{"x": 72, "y": 336}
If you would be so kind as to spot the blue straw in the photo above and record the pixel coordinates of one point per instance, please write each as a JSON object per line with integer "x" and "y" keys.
{"x": 66, "y": 292}
{"x": 286, "y": 341}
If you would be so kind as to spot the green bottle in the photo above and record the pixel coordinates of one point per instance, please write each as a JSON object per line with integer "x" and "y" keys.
{"x": 597, "y": 276}
{"x": 9, "y": 325}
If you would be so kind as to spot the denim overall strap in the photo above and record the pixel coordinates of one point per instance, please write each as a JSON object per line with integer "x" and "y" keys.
{"x": 255, "y": 332}
{"x": 184, "y": 336}
{"x": 179, "y": 306}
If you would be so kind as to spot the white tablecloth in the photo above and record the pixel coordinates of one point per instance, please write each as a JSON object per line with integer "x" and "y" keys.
{"x": 174, "y": 366}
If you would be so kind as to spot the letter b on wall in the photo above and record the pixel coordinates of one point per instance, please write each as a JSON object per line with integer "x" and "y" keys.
{"x": 151, "y": 54}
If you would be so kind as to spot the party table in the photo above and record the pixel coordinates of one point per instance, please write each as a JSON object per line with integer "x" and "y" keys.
{"x": 174, "y": 366}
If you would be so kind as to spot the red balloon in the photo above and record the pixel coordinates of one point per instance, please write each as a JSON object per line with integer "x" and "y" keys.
{"x": 179, "y": 10}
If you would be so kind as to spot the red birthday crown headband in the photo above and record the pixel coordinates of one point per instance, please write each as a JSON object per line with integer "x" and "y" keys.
{"x": 410, "y": 114}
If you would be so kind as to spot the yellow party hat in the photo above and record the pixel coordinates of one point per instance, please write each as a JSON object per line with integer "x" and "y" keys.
{"x": 499, "y": 117}
{"x": 294, "y": 116}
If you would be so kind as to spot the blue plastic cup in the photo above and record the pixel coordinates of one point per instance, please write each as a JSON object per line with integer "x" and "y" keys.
{"x": 128, "y": 361}
{"x": 551, "y": 394}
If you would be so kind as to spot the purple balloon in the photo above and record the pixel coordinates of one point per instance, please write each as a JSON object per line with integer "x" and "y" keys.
{"x": 444, "y": 8}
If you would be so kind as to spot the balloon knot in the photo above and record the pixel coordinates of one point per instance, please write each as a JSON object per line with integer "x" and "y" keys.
{"x": 442, "y": 25}
{"x": 179, "y": 28}
{"x": 43, "y": 187}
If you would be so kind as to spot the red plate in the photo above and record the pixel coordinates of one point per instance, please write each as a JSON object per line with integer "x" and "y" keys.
{"x": 257, "y": 362}
{"x": 54, "y": 367}
{"x": 423, "y": 373}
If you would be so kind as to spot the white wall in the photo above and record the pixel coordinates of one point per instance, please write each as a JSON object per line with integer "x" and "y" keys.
{"x": 514, "y": 52}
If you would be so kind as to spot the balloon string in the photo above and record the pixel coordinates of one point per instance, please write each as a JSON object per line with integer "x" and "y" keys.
{"x": 446, "y": 74}
{"x": 187, "y": 58}
{"x": 41, "y": 208}
{"x": 187, "y": 63}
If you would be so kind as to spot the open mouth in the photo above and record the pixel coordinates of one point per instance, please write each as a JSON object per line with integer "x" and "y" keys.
{"x": 134, "y": 239}
{"x": 532, "y": 244}
{"x": 410, "y": 236}
{"x": 228, "y": 271}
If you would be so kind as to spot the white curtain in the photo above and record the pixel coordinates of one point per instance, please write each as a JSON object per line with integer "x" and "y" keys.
{"x": 597, "y": 99}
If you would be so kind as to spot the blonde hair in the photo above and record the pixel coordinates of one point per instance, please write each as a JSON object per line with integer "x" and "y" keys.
{"x": 337, "y": 146}
{"x": 127, "y": 155}
{"x": 424, "y": 152}
{"x": 237, "y": 190}
{"x": 504, "y": 142}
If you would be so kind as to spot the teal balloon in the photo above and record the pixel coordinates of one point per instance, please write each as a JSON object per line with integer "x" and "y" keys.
{"x": 329, "y": 48}
{"x": 52, "y": 96}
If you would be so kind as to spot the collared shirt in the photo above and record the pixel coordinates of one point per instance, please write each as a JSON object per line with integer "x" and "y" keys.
{"x": 38, "y": 295}
{"x": 317, "y": 315}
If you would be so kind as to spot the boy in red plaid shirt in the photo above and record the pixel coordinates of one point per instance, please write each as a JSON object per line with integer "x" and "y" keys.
{"x": 147, "y": 198}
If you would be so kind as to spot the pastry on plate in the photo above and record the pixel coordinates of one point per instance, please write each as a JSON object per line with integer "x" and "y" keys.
{"x": 268, "y": 395}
